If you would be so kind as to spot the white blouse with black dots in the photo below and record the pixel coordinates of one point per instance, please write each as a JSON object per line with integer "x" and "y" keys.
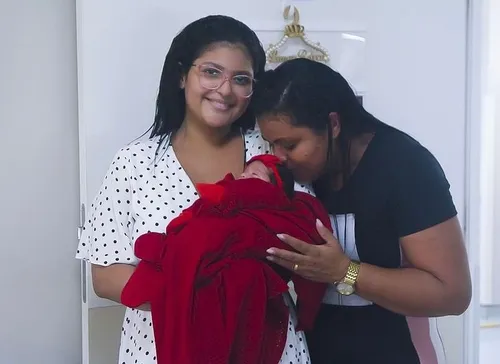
{"x": 139, "y": 195}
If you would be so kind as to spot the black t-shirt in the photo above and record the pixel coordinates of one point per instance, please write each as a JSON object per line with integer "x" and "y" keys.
{"x": 397, "y": 189}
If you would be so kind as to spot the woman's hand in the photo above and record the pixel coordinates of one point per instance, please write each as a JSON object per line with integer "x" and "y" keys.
{"x": 321, "y": 263}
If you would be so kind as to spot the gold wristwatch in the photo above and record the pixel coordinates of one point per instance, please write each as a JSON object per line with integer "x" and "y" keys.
{"x": 346, "y": 286}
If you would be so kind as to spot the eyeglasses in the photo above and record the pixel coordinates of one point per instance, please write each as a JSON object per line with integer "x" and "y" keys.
{"x": 212, "y": 78}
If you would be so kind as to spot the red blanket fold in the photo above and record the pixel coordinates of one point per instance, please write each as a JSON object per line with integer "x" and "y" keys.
{"x": 214, "y": 297}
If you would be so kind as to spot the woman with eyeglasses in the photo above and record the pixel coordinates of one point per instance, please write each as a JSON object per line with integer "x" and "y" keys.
{"x": 203, "y": 129}
{"x": 398, "y": 256}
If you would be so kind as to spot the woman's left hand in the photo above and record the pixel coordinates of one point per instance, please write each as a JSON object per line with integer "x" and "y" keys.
{"x": 325, "y": 263}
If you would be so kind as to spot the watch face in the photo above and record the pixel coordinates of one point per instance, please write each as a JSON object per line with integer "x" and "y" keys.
{"x": 345, "y": 289}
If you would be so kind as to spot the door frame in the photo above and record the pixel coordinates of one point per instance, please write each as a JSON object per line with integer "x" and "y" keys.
{"x": 473, "y": 122}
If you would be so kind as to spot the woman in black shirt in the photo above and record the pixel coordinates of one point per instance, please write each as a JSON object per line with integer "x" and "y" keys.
{"x": 398, "y": 250}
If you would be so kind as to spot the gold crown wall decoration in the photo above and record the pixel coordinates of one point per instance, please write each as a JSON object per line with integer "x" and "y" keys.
{"x": 296, "y": 31}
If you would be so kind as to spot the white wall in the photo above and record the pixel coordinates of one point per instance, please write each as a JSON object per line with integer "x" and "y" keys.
{"x": 39, "y": 279}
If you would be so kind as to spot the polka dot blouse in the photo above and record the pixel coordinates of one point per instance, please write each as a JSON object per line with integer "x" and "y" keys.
{"x": 141, "y": 193}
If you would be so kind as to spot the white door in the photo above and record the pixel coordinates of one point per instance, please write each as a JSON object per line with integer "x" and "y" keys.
{"x": 405, "y": 77}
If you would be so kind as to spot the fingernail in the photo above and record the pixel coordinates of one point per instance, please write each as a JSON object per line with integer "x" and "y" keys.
{"x": 270, "y": 258}
{"x": 319, "y": 223}
{"x": 280, "y": 236}
{"x": 270, "y": 251}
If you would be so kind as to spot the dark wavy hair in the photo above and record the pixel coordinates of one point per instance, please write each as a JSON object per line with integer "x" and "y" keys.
{"x": 188, "y": 45}
{"x": 286, "y": 178}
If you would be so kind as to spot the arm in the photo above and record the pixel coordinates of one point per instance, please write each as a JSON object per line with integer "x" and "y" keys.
{"x": 438, "y": 283}
{"x": 424, "y": 217}
{"x": 105, "y": 241}
{"x": 109, "y": 281}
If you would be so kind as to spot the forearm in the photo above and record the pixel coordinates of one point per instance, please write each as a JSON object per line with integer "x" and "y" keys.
{"x": 109, "y": 281}
{"x": 408, "y": 291}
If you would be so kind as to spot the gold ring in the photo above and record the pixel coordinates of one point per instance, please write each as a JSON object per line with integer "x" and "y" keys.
{"x": 295, "y": 267}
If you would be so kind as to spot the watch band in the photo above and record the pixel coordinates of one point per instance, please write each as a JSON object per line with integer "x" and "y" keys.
{"x": 352, "y": 273}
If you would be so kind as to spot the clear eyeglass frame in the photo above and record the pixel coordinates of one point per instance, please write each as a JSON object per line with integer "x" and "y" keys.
{"x": 212, "y": 78}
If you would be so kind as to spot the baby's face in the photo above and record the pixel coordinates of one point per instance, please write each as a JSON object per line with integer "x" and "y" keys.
{"x": 258, "y": 170}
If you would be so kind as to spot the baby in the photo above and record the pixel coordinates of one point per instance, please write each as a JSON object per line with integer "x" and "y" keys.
{"x": 268, "y": 168}
{"x": 212, "y": 292}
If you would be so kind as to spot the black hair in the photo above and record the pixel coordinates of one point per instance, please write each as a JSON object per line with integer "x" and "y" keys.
{"x": 188, "y": 45}
{"x": 287, "y": 179}
{"x": 307, "y": 92}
